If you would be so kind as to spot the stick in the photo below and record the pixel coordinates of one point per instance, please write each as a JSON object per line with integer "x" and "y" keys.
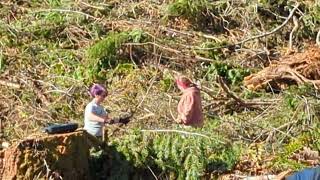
{"x": 266, "y": 33}
{"x": 295, "y": 28}
{"x": 47, "y": 167}
{"x": 154, "y": 175}
{"x": 238, "y": 99}
{"x": 227, "y": 90}
{"x": 170, "y": 110}
{"x": 150, "y": 86}
{"x": 92, "y": 6}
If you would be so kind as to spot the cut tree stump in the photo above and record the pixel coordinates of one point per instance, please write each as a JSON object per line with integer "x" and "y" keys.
{"x": 48, "y": 156}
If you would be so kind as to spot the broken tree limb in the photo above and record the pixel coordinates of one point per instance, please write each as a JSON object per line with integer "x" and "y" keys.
{"x": 274, "y": 30}
{"x": 252, "y": 104}
{"x": 260, "y": 35}
{"x": 229, "y": 92}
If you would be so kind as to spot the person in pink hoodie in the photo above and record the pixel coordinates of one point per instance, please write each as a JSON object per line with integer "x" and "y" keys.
{"x": 189, "y": 107}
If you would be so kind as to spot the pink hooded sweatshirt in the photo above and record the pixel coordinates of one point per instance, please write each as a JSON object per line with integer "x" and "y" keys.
{"x": 189, "y": 107}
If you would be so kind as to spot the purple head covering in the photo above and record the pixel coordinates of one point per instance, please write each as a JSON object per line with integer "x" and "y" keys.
{"x": 97, "y": 90}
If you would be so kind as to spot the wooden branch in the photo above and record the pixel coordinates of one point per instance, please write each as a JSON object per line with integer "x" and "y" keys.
{"x": 240, "y": 101}
{"x": 273, "y": 31}
{"x": 245, "y": 40}
{"x": 228, "y": 91}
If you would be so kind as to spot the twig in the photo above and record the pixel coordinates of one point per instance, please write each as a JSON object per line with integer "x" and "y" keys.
{"x": 146, "y": 116}
{"x": 291, "y": 121}
{"x": 263, "y": 34}
{"x": 172, "y": 116}
{"x": 92, "y": 6}
{"x": 131, "y": 58}
{"x": 295, "y": 28}
{"x": 47, "y": 167}
{"x": 150, "y": 86}
{"x": 276, "y": 15}
{"x": 154, "y": 175}
{"x": 175, "y": 51}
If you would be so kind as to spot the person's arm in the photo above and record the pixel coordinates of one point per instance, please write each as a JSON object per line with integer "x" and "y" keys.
{"x": 94, "y": 117}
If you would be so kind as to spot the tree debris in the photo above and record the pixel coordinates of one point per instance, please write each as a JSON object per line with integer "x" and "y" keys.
{"x": 300, "y": 68}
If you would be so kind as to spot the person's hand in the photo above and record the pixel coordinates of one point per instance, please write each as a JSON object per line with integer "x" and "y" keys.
{"x": 106, "y": 120}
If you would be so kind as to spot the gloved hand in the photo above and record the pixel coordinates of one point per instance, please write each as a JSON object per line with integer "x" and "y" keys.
{"x": 115, "y": 120}
{"x": 125, "y": 117}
